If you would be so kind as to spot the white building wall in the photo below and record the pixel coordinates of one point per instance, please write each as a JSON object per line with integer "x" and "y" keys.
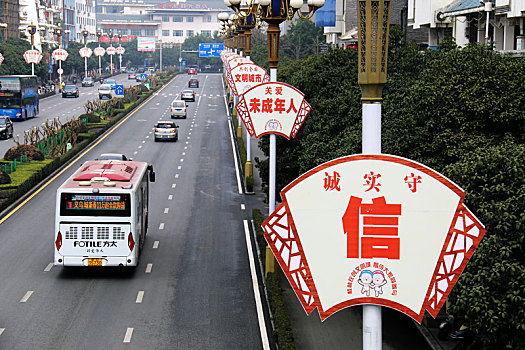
{"x": 201, "y": 21}
{"x": 85, "y": 18}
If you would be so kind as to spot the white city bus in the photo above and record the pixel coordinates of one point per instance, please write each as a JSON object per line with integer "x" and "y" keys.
{"x": 102, "y": 214}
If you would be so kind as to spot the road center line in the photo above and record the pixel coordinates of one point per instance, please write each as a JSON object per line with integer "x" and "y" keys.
{"x": 140, "y": 296}
{"x": 148, "y": 268}
{"x": 48, "y": 267}
{"x": 127, "y": 337}
{"x": 26, "y": 296}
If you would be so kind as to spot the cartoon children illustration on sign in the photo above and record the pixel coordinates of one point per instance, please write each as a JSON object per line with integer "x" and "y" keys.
{"x": 372, "y": 280}
{"x": 365, "y": 279}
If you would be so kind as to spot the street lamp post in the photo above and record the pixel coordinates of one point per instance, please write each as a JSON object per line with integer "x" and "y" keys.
{"x": 32, "y": 31}
{"x": 110, "y": 35}
{"x": 59, "y": 31}
{"x": 99, "y": 35}
{"x": 85, "y": 33}
{"x": 373, "y": 26}
{"x": 119, "y": 36}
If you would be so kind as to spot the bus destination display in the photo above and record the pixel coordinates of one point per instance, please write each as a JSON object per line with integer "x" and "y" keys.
{"x": 100, "y": 205}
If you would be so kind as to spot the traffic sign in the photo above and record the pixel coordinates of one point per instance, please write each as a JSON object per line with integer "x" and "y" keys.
{"x": 119, "y": 90}
{"x": 143, "y": 76}
{"x": 210, "y": 50}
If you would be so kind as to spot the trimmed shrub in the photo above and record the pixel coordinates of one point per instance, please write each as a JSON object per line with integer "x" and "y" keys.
{"x": 16, "y": 152}
{"x": 4, "y": 177}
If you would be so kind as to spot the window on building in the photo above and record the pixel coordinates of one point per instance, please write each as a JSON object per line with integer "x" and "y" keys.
{"x": 189, "y": 33}
{"x": 177, "y": 18}
{"x": 135, "y": 31}
{"x": 151, "y": 32}
{"x": 165, "y": 33}
{"x": 165, "y": 19}
{"x": 206, "y": 32}
{"x": 189, "y": 19}
{"x": 207, "y": 19}
{"x": 178, "y": 33}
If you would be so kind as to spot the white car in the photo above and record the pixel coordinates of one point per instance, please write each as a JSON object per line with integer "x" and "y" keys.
{"x": 105, "y": 91}
{"x": 178, "y": 109}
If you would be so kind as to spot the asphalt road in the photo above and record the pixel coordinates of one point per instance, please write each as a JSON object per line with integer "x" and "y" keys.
{"x": 194, "y": 287}
{"x": 56, "y": 106}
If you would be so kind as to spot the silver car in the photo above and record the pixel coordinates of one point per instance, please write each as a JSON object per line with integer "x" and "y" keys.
{"x": 166, "y": 130}
{"x": 105, "y": 91}
{"x": 178, "y": 109}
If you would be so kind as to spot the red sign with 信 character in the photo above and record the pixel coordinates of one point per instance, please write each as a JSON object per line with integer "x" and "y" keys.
{"x": 373, "y": 229}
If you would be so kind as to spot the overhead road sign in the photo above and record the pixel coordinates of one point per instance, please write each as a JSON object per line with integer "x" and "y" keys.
{"x": 210, "y": 50}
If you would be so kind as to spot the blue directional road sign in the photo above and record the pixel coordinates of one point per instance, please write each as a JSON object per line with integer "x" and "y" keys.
{"x": 210, "y": 50}
{"x": 143, "y": 76}
{"x": 119, "y": 90}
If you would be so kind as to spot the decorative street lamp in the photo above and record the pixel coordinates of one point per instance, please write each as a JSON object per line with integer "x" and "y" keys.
{"x": 32, "y": 31}
{"x": 99, "y": 51}
{"x": 119, "y": 36}
{"x": 85, "y": 33}
{"x": 59, "y": 32}
{"x": 373, "y": 27}
{"x": 110, "y": 35}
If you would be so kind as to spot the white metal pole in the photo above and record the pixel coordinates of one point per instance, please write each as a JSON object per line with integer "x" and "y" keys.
{"x": 371, "y": 144}
{"x": 85, "y": 63}
{"x": 248, "y": 140}
{"x": 99, "y": 68}
{"x": 273, "y": 158}
{"x": 32, "y": 64}
{"x": 160, "y": 42}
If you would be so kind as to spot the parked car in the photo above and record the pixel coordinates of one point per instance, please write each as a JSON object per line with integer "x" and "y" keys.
{"x": 192, "y": 71}
{"x": 111, "y": 82}
{"x": 104, "y": 90}
{"x": 6, "y": 127}
{"x": 88, "y": 81}
{"x": 193, "y": 83}
{"x": 112, "y": 156}
{"x": 178, "y": 109}
{"x": 166, "y": 130}
{"x": 70, "y": 91}
{"x": 188, "y": 95}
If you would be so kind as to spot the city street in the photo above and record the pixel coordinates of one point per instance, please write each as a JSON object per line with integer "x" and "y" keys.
{"x": 193, "y": 288}
{"x": 56, "y": 106}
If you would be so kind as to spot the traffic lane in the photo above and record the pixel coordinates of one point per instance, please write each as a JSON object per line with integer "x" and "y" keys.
{"x": 33, "y": 262}
{"x": 56, "y": 106}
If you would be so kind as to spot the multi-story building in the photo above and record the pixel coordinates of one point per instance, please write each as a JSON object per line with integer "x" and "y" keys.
{"x": 498, "y": 22}
{"x": 85, "y": 19}
{"x": 9, "y": 20}
{"x": 171, "y": 22}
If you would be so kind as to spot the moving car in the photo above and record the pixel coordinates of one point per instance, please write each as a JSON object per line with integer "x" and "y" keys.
{"x": 132, "y": 75}
{"x": 166, "y": 130}
{"x": 193, "y": 83}
{"x": 6, "y": 127}
{"x": 188, "y": 95}
{"x": 112, "y": 82}
{"x": 192, "y": 71}
{"x": 113, "y": 156}
{"x": 88, "y": 81}
{"x": 70, "y": 91}
{"x": 178, "y": 109}
{"x": 104, "y": 91}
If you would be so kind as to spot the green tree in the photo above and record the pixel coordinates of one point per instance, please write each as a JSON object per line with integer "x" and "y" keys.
{"x": 302, "y": 39}
{"x": 14, "y": 62}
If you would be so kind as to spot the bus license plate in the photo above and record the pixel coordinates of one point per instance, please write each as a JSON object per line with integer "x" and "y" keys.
{"x": 94, "y": 262}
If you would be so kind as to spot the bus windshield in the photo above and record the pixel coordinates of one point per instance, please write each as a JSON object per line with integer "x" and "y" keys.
{"x": 10, "y": 100}
{"x": 82, "y": 204}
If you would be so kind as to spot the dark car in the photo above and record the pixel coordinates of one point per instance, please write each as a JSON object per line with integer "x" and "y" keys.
{"x": 6, "y": 127}
{"x": 88, "y": 81}
{"x": 193, "y": 83}
{"x": 70, "y": 91}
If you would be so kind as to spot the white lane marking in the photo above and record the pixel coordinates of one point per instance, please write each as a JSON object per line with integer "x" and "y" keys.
{"x": 187, "y": 142}
{"x": 2, "y": 330}
{"x": 140, "y": 147}
{"x": 188, "y": 137}
{"x": 173, "y": 185}
{"x": 26, "y": 296}
{"x": 255, "y": 284}
{"x": 239, "y": 187}
{"x": 185, "y": 147}
{"x": 148, "y": 268}
{"x": 48, "y": 267}
{"x": 170, "y": 197}
{"x": 243, "y": 207}
{"x": 182, "y": 160}
{"x": 140, "y": 296}
{"x": 155, "y": 244}
{"x": 129, "y": 333}
{"x": 151, "y": 132}
{"x": 147, "y": 136}
{"x": 179, "y": 167}
{"x": 135, "y": 152}
{"x": 143, "y": 141}
{"x": 183, "y": 153}
{"x": 176, "y": 176}
{"x": 166, "y": 210}
{"x": 161, "y": 226}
